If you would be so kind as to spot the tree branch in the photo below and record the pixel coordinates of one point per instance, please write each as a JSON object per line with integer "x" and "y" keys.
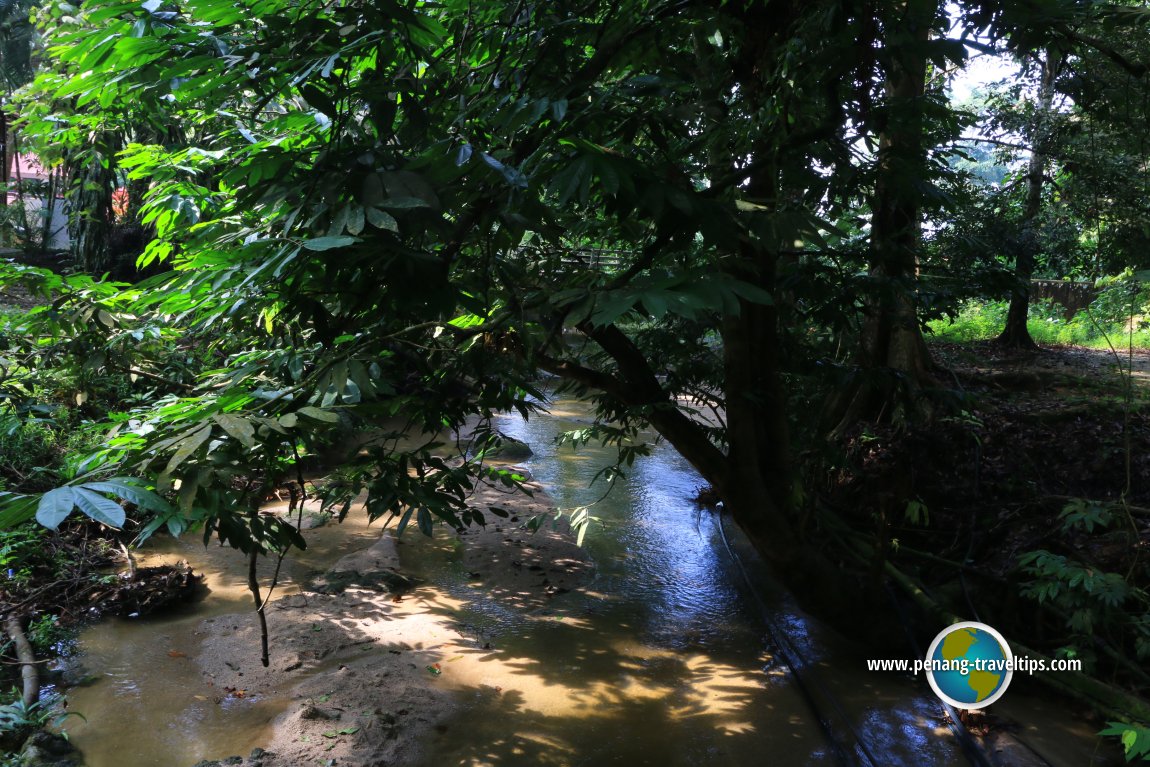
{"x": 1136, "y": 68}
{"x": 641, "y": 388}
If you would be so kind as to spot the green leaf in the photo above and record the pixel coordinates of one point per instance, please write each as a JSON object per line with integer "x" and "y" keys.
{"x": 16, "y": 509}
{"x": 130, "y": 490}
{"x": 330, "y": 243}
{"x": 1135, "y": 738}
{"x": 99, "y": 508}
{"x": 511, "y": 175}
{"x": 355, "y": 217}
{"x": 318, "y": 99}
{"x": 239, "y": 428}
{"x": 381, "y": 219}
{"x": 55, "y": 507}
{"x": 319, "y": 414}
{"x": 187, "y": 447}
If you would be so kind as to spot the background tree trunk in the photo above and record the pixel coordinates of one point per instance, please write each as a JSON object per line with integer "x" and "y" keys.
{"x": 1015, "y": 334}
{"x": 893, "y": 361}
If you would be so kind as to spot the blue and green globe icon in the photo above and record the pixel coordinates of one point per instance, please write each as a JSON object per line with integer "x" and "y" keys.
{"x": 969, "y": 665}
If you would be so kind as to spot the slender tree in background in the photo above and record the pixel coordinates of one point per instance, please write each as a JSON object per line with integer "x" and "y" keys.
{"x": 1039, "y": 135}
{"x": 893, "y": 361}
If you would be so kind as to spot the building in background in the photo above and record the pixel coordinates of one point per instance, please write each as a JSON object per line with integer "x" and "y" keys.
{"x": 36, "y": 215}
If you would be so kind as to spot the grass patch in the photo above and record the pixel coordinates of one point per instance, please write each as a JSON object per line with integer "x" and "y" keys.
{"x": 984, "y": 320}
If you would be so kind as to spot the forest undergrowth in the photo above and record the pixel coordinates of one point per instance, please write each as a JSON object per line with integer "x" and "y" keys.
{"x": 1028, "y": 509}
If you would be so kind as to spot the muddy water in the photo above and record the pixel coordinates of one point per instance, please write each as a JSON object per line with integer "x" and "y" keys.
{"x": 664, "y": 660}
{"x": 145, "y": 701}
{"x": 668, "y": 658}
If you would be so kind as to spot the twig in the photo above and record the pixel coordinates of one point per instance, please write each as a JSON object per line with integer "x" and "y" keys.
{"x": 131, "y": 562}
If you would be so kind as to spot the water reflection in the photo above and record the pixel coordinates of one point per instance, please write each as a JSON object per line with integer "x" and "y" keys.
{"x": 659, "y": 661}
{"x": 663, "y": 660}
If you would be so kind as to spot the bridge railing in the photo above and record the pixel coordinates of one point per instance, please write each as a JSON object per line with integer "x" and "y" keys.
{"x": 1071, "y": 296}
{"x": 604, "y": 259}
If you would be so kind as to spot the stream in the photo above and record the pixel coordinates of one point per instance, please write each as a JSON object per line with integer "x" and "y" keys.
{"x": 668, "y": 657}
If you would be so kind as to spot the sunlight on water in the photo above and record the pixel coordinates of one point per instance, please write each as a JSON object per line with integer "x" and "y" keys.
{"x": 139, "y": 706}
{"x": 663, "y": 659}
{"x": 658, "y": 661}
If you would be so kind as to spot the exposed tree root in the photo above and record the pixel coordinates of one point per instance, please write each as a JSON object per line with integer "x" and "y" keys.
{"x": 28, "y": 671}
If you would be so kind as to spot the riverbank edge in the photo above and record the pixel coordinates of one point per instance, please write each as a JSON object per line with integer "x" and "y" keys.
{"x": 362, "y": 662}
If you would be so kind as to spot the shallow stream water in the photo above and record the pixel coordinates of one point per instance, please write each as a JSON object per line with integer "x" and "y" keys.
{"x": 667, "y": 658}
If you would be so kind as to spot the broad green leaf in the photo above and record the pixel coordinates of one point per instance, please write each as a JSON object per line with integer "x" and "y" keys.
{"x": 330, "y": 243}
{"x": 55, "y": 507}
{"x": 99, "y": 508}
{"x": 381, "y": 219}
{"x": 319, "y": 414}
{"x": 355, "y": 217}
{"x": 130, "y": 491}
{"x": 187, "y": 447}
{"x": 239, "y": 428}
{"x": 16, "y": 509}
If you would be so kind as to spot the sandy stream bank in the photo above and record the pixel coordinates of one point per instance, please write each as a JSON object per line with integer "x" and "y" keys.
{"x": 369, "y": 668}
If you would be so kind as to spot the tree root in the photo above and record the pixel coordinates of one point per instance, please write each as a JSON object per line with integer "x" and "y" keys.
{"x": 28, "y": 670}
{"x": 131, "y": 560}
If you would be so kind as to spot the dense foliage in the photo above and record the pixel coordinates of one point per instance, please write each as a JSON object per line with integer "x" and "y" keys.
{"x": 386, "y": 219}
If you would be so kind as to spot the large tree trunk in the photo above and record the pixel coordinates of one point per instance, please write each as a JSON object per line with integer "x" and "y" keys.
{"x": 1015, "y": 334}
{"x": 5, "y": 160}
{"x": 757, "y": 485}
{"x": 893, "y": 361}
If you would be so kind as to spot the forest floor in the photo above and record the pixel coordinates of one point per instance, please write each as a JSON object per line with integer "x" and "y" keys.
{"x": 1027, "y": 506}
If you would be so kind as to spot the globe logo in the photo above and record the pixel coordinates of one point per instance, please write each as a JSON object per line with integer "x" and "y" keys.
{"x": 969, "y": 665}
